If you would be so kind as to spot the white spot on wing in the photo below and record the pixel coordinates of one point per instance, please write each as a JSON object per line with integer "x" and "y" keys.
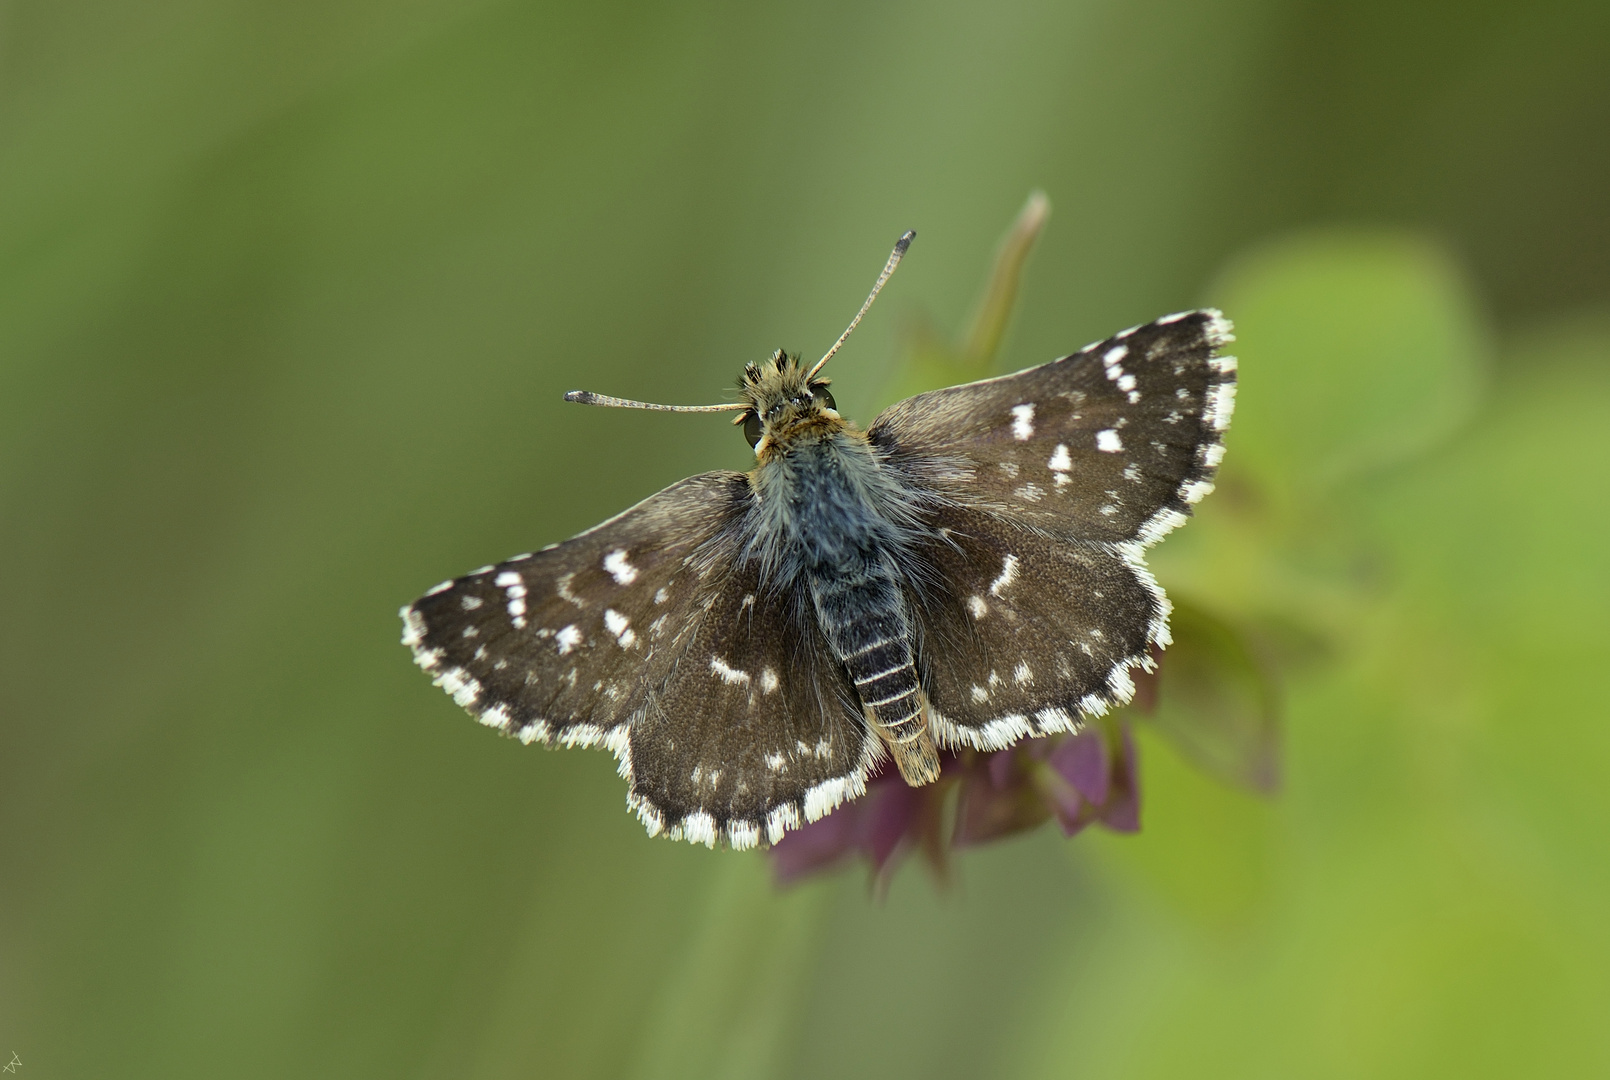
{"x": 1107, "y": 441}
{"x": 1008, "y": 575}
{"x": 768, "y": 680}
{"x": 619, "y": 567}
{"x": 461, "y": 684}
{"x": 976, "y": 605}
{"x": 621, "y": 627}
{"x": 822, "y": 798}
{"x": 514, "y": 585}
{"x": 413, "y": 628}
{"x": 729, "y": 675}
{"x": 1159, "y": 525}
{"x": 1122, "y": 683}
{"x": 1023, "y": 421}
{"x": 1220, "y": 404}
{"x": 780, "y": 820}
{"x": 469, "y": 603}
{"x": 562, "y": 587}
{"x": 700, "y": 828}
{"x": 567, "y": 638}
{"x": 1060, "y": 459}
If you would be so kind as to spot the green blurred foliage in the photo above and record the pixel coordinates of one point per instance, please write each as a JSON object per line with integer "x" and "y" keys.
{"x": 1380, "y": 351}
{"x": 288, "y": 298}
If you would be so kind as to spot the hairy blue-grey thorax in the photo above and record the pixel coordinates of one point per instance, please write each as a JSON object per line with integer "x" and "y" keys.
{"x": 826, "y": 505}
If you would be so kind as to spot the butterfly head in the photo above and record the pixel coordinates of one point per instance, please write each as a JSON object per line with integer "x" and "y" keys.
{"x": 784, "y": 402}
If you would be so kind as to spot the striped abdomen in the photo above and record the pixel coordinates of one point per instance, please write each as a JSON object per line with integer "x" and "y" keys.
{"x": 863, "y": 617}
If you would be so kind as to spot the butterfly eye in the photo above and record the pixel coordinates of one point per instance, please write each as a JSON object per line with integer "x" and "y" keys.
{"x": 752, "y": 428}
{"x": 823, "y": 397}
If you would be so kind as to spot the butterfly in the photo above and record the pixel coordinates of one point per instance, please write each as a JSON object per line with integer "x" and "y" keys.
{"x": 967, "y": 572}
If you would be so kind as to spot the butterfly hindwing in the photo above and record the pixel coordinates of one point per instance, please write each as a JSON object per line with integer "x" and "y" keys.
{"x": 1114, "y": 443}
{"x": 756, "y": 731}
{"x": 649, "y": 635}
{"x": 1032, "y": 632}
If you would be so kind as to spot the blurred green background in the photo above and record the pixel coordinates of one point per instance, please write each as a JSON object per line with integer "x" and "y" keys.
{"x": 289, "y": 293}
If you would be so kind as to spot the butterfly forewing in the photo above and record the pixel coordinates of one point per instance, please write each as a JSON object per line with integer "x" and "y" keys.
{"x": 553, "y": 646}
{"x": 1114, "y": 443}
{"x": 649, "y": 635}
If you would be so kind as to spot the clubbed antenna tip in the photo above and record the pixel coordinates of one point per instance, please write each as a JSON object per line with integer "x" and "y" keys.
{"x": 900, "y": 246}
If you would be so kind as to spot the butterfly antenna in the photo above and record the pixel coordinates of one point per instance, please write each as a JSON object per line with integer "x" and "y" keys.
{"x": 888, "y": 269}
{"x": 587, "y": 397}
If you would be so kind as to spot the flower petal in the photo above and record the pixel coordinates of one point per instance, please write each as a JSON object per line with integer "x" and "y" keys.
{"x": 1083, "y": 760}
{"x": 891, "y": 811}
{"x": 1121, "y": 812}
{"x": 819, "y": 844}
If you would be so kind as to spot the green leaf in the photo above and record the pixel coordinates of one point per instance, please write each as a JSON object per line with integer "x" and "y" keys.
{"x": 1218, "y": 701}
{"x": 1358, "y": 349}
